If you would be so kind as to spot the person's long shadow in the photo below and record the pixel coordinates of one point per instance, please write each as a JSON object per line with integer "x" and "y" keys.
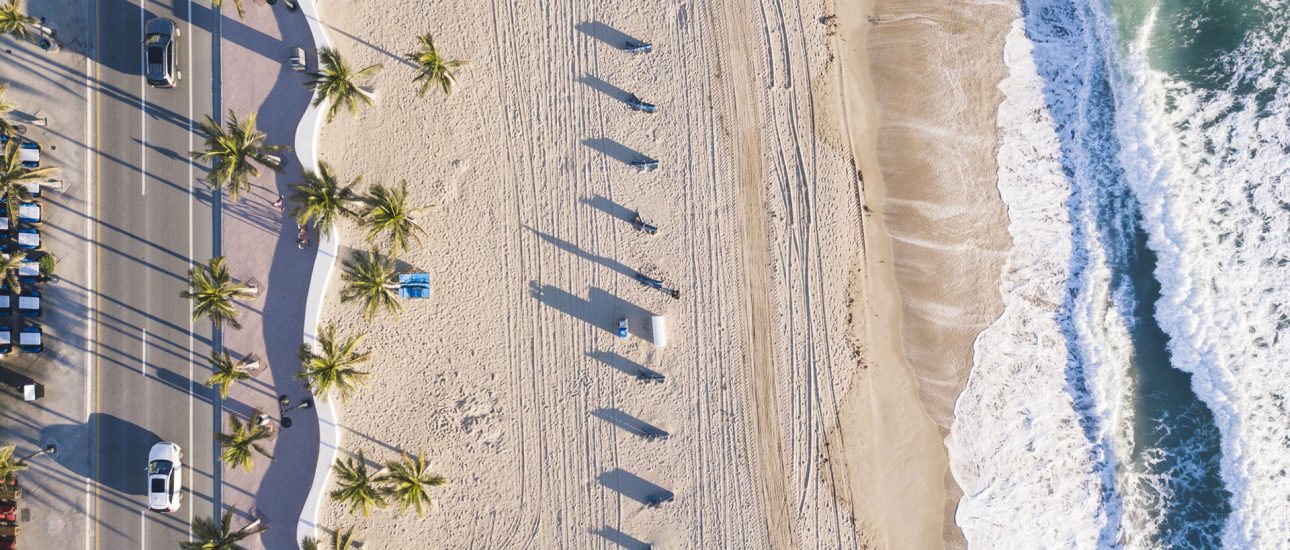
{"x": 621, "y": 539}
{"x": 627, "y": 422}
{"x": 615, "y": 150}
{"x": 601, "y": 309}
{"x": 608, "y": 206}
{"x": 581, "y": 253}
{"x": 631, "y": 485}
{"x": 614, "y": 92}
{"x": 605, "y": 33}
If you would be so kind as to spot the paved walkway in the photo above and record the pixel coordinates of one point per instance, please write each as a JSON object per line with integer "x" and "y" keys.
{"x": 260, "y": 242}
{"x": 51, "y": 88}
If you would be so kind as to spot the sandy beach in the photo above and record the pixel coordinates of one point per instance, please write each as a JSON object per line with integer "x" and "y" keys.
{"x": 805, "y": 342}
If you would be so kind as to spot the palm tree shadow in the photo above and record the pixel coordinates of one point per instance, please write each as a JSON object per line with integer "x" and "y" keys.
{"x": 402, "y": 60}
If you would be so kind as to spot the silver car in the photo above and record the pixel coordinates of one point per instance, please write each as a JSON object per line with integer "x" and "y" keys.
{"x": 160, "y": 53}
{"x": 165, "y": 477}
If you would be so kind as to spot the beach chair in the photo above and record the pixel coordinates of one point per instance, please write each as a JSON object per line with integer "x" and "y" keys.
{"x": 29, "y": 304}
{"x": 633, "y": 46}
{"x": 641, "y": 225}
{"x": 29, "y": 270}
{"x": 29, "y": 212}
{"x": 30, "y": 154}
{"x": 6, "y": 300}
{"x": 645, "y": 375}
{"x": 6, "y": 340}
{"x": 648, "y": 281}
{"x": 4, "y": 223}
{"x": 647, "y": 164}
{"x": 414, "y": 285}
{"x": 651, "y": 434}
{"x": 29, "y": 340}
{"x": 33, "y": 188}
{"x": 639, "y": 105}
{"x": 28, "y": 239}
{"x": 659, "y": 499}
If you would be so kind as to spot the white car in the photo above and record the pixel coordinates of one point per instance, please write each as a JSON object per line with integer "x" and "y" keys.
{"x": 165, "y": 477}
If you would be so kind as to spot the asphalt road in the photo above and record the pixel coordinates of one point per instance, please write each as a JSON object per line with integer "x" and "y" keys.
{"x": 155, "y": 219}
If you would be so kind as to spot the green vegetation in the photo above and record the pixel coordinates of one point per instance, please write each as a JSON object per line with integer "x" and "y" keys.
{"x": 13, "y": 176}
{"x": 389, "y": 218}
{"x": 356, "y": 487}
{"x": 213, "y": 290}
{"x": 410, "y": 481}
{"x": 334, "y": 366}
{"x": 244, "y": 438}
{"x": 209, "y": 535}
{"x": 224, "y": 372}
{"x": 48, "y": 263}
{"x": 370, "y": 278}
{"x": 338, "y": 84}
{"x": 321, "y": 199}
{"x": 433, "y": 69}
{"x": 15, "y": 22}
{"x": 234, "y": 153}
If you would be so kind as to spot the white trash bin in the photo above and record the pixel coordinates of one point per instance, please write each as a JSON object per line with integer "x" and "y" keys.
{"x": 658, "y": 331}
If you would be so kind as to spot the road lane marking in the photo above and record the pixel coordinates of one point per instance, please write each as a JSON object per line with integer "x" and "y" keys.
{"x": 89, "y": 276}
{"x": 143, "y": 355}
{"x": 143, "y": 110}
{"x": 143, "y": 531}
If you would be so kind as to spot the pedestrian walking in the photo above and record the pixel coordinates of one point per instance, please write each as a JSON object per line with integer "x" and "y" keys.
{"x": 278, "y": 204}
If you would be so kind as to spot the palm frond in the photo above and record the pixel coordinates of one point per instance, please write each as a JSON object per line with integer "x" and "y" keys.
{"x": 433, "y": 69}
{"x": 321, "y": 198}
{"x": 15, "y": 22}
{"x": 370, "y": 278}
{"x": 237, "y": 445}
{"x": 356, "y": 487}
{"x": 334, "y": 365}
{"x": 410, "y": 482}
{"x": 224, "y": 372}
{"x": 235, "y": 152}
{"x": 338, "y": 84}
{"x": 388, "y": 217}
{"x": 212, "y": 290}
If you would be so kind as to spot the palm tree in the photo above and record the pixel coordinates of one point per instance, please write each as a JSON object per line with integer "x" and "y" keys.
{"x": 213, "y": 290}
{"x": 389, "y": 215}
{"x": 234, "y": 151}
{"x": 9, "y": 264}
{"x": 209, "y": 535}
{"x": 8, "y": 465}
{"x": 6, "y": 107}
{"x": 356, "y": 487}
{"x": 432, "y": 68}
{"x": 337, "y": 83}
{"x": 245, "y": 438}
{"x": 341, "y": 540}
{"x": 14, "y": 21}
{"x": 370, "y": 277}
{"x": 334, "y": 366}
{"x": 14, "y": 177}
{"x": 409, "y": 482}
{"x": 241, "y": 11}
{"x": 321, "y": 198}
{"x": 226, "y": 372}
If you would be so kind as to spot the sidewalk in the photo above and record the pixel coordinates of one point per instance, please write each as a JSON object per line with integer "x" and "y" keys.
{"x": 50, "y": 91}
{"x": 260, "y": 242}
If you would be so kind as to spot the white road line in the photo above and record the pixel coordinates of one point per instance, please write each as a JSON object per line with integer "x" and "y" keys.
{"x": 143, "y": 106}
{"x": 89, "y": 284}
{"x": 189, "y": 46}
{"x": 143, "y": 531}
{"x": 143, "y": 355}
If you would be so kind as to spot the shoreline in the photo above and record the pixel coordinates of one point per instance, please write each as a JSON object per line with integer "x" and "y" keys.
{"x": 919, "y": 331}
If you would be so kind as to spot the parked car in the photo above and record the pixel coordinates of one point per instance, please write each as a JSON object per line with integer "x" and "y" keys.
{"x": 165, "y": 477}
{"x": 161, "y": 55}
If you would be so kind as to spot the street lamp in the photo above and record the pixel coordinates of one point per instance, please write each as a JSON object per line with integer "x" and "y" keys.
{"x": 50, "y": 448}
{"x": 284, "y": 401}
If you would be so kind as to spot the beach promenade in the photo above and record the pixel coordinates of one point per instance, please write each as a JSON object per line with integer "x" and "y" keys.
{"x": 260, "y": 242}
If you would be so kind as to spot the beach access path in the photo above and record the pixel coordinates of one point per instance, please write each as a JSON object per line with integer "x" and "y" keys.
{"x": 259, "y": 241}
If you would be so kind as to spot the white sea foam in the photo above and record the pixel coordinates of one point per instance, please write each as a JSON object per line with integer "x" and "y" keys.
{"x": 1212, "y": 173}
{"x": 1030, "y": 441}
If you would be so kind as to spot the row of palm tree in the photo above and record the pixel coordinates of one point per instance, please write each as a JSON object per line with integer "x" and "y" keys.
{"x": 342, "y": 87}
{"x": 408, "y": 482}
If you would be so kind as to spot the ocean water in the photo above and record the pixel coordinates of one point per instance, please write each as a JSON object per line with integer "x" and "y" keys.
{"x": 1133, "y": 392}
